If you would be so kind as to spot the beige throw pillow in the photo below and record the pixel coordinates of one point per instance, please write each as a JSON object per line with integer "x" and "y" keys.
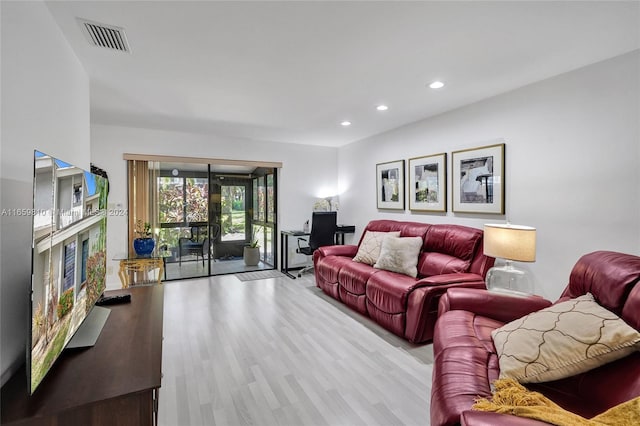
{"x": 369, "y": 249}
{"x": 400, "y": 255}
{"x": 562, "y": 340}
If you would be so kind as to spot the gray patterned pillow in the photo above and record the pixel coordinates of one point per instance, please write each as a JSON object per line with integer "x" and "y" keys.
{"x": 562, "y": 340}
{"x": 400, "y": 254}
{"x": 369, "y": 249}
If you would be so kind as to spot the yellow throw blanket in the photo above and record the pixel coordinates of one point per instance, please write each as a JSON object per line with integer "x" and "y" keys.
{"x": 510, "y": 397}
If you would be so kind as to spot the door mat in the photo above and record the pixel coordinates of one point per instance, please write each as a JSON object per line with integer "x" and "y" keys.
{"x": 259, "y": 275}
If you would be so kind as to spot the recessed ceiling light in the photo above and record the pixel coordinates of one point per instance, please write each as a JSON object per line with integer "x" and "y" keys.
{"x": 345, "y": 123}
{"x": 437, "y": 85}
{"x": 382, "y": 107}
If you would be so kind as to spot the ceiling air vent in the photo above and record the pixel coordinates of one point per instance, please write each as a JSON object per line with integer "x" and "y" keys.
{"x": 107, "y": 36}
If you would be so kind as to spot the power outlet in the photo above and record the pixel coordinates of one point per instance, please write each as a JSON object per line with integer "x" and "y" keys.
{"x": 109, "y": 270}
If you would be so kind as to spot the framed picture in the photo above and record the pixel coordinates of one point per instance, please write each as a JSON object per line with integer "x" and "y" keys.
{"x": 390, "y": 185}
{"x": 478, "y": 180}
{"x": 428, "y": 183}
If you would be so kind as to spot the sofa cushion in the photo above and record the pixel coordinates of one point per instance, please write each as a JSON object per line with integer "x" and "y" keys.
{"x": 369, "y": 249}
{"x": 594, "y": 273}
{"x": 455, "y": 240}
{"x": 449, "y": 249}
{"x": 603, "y": 387}
{"x": 562, "y": 340}
{"x": 329, "y": 267}
{"x": 395, "y": 323}
{"x": 432, "y": 263}
{"x": 399, "y": 255}
{"x": 353, "y": 277}
{"x": 388, "y": 291}
{"x": 460, "y": 376}
{"x": 465, "y": 329}
{"x": 407, "y": 229}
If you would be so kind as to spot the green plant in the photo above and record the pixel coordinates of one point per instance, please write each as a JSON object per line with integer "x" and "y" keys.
{"x": 37, "y": 324}
{"x": 143, "y": 229}
{"x": 182, "y": 200}
{"x": 96, "y": 267}
{"x": 65, "y": 303}
{"x": 255, "y": 242}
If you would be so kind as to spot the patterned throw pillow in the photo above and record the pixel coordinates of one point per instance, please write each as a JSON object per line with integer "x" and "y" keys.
{"x": 400, "y": 255}
{"x": 562, "y": 340}
{"x": 369, "y": 249}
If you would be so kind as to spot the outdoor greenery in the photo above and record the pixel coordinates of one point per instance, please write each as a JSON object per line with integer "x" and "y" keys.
{"x": 257, "y": 236}
{"x": 96, "y": 267}
{"x": 37, "y": 324}
{"x": 65, "y": 303}
{"x": 233, "y": 223}
{"x": 233, "y": 218}
{"x": 182, "y": 200}
{"x": 41, "y": 365}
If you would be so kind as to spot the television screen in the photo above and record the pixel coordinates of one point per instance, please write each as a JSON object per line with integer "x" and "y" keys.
{"x": 68, "y": 261}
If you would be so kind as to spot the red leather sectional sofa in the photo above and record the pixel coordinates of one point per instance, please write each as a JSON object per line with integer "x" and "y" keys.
{"x": 451, "y": 256}
{"x": 466, "y": 361}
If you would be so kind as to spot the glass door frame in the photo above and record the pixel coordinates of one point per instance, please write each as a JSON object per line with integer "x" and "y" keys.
{"x": 185, "y": 223}
{"x": 269, "y": 222}
{"x": 268, "y": 178}
{"x": 216, "y": 182}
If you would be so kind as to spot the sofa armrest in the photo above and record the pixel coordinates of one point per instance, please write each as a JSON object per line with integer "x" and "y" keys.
{"x": 500, "y": 307}
{"x": 484, "y": 418}
{"x": 339, "y": 250}
{"x": 422, "y": 307}
{"x": 444, "y": 279}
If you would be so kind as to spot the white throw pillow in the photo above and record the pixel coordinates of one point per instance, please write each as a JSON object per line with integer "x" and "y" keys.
{"x": 562, "y": 340}
{"x": 369, "y": 249}
{"x": 400, "y": 254}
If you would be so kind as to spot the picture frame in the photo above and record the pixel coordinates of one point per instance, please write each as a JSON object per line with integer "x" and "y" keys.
{"x": 427, "y": 190}
{"x": 390, "y": 185}
{"x": 478, "y": 179}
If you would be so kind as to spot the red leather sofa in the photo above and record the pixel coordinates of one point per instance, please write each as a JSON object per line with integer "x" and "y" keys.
{"x": 466, "y": 362}
{"x": 451, "y": 256}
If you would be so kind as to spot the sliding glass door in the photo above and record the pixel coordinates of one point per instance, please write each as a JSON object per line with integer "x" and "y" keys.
{"x": 206, "y": 215}
{"x": 183, "y": 219}
{"x": 264, "y": 213}
{"x": 230, "y": 199}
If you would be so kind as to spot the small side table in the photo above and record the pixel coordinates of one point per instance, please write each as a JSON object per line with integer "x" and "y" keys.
{"x": 136, "y": 270}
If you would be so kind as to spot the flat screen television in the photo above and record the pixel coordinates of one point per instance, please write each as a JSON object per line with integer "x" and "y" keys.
{"x": 68, "y": 260}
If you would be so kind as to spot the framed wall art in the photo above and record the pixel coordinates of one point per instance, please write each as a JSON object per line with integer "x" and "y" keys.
{"x": 390, "y": 185}
{"x": 478, "y": 180}
{"x": 428, "y": 183}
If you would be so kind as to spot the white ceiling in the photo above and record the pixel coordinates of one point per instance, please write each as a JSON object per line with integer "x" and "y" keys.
{"x": 292, "y": 71}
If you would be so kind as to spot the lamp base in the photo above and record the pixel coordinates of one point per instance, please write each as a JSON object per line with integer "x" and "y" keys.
{"x": 508, "y": 279}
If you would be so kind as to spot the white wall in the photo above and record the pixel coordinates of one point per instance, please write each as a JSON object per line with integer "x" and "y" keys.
{"x": 572, "y": 164}
{"x": 45, "y": 106}
{"x": 306, "y": 171}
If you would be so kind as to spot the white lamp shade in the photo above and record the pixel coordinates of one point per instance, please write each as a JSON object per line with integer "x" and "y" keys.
{"x": 512, "y": 242}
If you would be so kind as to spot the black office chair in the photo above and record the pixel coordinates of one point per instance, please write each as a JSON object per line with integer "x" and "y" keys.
{"x": 197, "y": 246}
{"x": 323, "y": 231}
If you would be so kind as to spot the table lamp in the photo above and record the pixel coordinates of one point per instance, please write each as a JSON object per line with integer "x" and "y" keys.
{"x": 512, "y": 243}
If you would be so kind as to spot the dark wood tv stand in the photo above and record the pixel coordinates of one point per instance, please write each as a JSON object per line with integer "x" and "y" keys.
{"x": 116, "y": 382}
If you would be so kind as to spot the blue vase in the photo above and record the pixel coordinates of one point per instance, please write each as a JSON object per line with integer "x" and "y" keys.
{"x": 144, "y": 246}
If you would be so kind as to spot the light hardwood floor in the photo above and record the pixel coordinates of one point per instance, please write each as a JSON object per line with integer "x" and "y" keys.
{"x": 279, "y": 352}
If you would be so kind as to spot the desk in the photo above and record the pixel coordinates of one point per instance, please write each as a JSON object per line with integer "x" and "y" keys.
{"x": 116, "y": 382}
{"x": 135, "y": 270}
{"x": 284, "y": 244}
